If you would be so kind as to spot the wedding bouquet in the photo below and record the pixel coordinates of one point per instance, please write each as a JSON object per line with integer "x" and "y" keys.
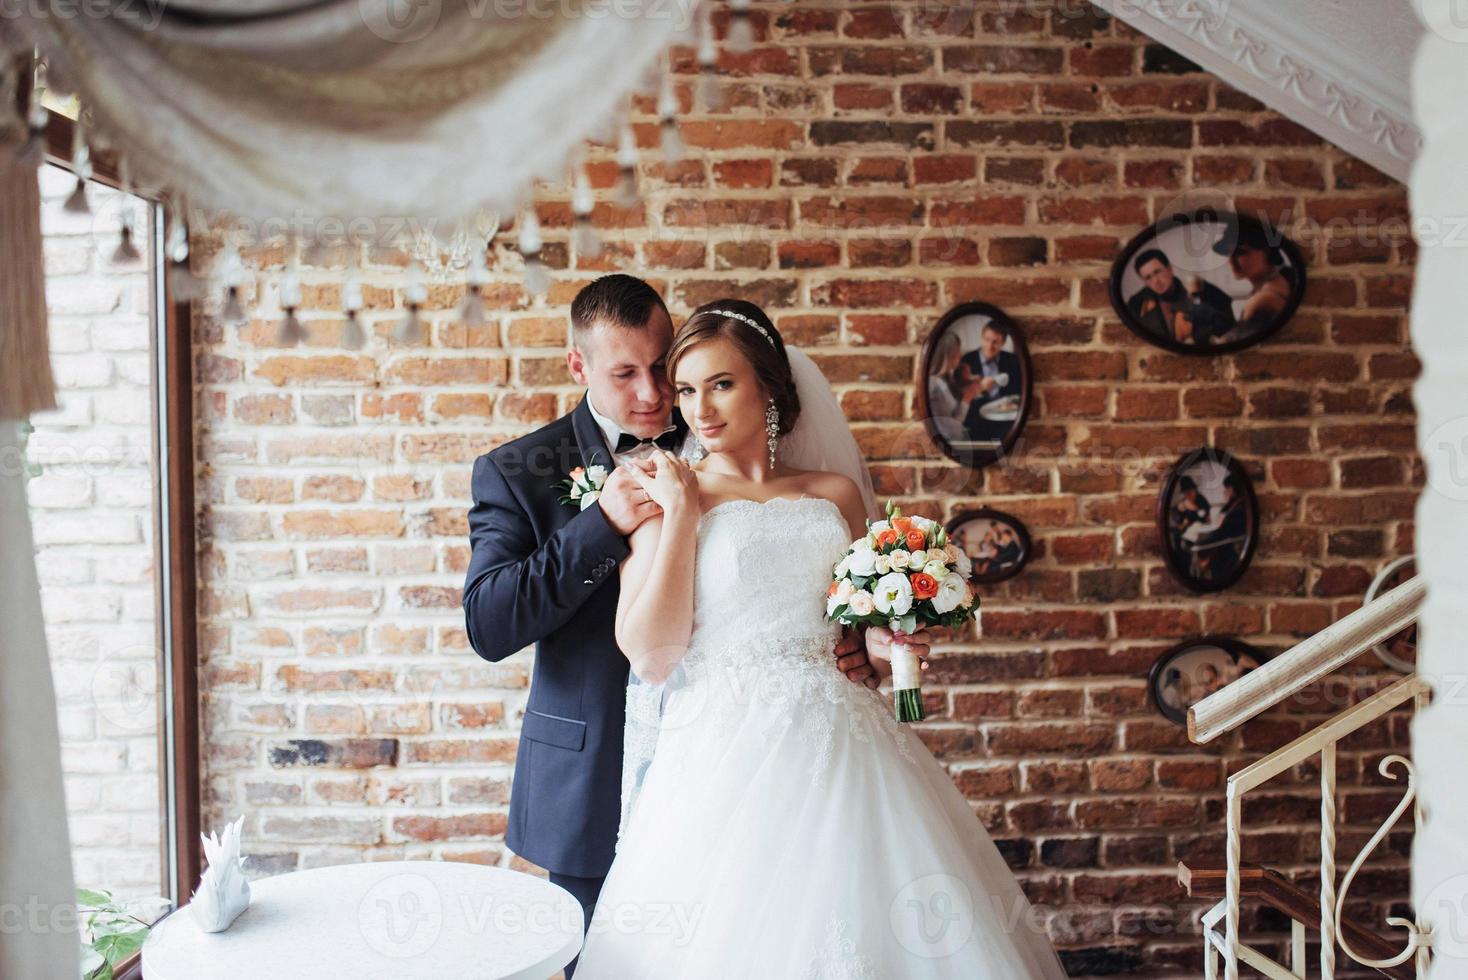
{"x": 904, "y": 574}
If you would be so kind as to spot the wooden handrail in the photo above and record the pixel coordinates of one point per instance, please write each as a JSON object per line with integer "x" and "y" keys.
{"x": 1287, "y": 898}
{"x": 1306, "y": 662}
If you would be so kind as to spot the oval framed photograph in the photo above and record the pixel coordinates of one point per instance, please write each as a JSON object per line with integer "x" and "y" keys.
{"x": 974, "y": 388}
{"x": 998, "y": 544}
{"x": 1208, "y": 520}
{"x": 1207, "y": 282}
{"x": 1398, "y": 651}
{"x": 1190, "y": 671}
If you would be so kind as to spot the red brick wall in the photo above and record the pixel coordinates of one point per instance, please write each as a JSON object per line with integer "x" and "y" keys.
{"x": 865, "y": 176}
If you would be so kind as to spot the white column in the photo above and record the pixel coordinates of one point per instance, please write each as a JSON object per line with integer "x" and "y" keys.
{"x": 1439, "y": 194}
{"x": 38, "y": 929}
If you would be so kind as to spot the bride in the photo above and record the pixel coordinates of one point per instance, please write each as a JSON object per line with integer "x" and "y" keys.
{"x": 786, "y": 826}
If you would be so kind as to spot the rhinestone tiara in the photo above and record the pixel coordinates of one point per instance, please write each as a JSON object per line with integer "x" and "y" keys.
{"x": 749, "y": 320}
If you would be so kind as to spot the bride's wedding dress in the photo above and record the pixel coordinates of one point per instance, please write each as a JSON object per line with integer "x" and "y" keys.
{"x": 788, "y": 827}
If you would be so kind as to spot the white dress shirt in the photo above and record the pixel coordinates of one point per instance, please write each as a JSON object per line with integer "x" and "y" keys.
{"x": 611, "y": 431}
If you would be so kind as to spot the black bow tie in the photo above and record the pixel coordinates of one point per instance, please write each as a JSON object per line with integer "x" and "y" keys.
{"x": 667, "y": 439}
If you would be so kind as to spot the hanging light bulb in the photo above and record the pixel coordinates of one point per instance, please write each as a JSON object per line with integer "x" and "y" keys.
{"x": 673, "y": 148}
{"x": 353, "y": 337}
{"x": 415, "y": 294}
{"x": 291, "y": 331}
{"x": 627, "y": 168}
{"x": 710, "y": 89}
{"x": 741, "y": 30}
{"x": 585, "y": 239}
{"x": 537, "y": 277}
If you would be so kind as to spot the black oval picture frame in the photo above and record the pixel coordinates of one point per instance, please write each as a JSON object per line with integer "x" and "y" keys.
{"x": 1217, "y": 265}
{"x": 982, "y": 428}
{"x": 1180, "y": 678}
{"x": 993, "y": 560}
{"x": 1208, "y": 520}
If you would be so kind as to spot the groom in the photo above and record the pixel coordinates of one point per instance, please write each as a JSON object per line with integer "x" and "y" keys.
{"x": 544, "y": 572}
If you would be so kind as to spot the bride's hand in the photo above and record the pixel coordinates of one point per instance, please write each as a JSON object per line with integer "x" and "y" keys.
{"x": 672, "y": 486}
{"x": 879, "y": 640}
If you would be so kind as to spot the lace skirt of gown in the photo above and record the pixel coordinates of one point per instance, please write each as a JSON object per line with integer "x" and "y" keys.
{"x": 789, "y": 827}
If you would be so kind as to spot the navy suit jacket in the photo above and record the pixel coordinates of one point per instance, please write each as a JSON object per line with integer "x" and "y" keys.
{"x": 543, "y": 572}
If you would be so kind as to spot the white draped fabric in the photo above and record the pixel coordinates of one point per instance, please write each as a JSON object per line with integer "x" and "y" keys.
{"x": 311, "y": 114}
{"x": 1439, "y": 203}
{"x": 350, "y": 109}
{"x": 39, "y": 937}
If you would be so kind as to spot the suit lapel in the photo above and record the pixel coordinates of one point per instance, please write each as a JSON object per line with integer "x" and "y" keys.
{"x": 589, "y": 441}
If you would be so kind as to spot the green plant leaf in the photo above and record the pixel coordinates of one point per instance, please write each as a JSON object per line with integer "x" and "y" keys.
{"x": 93, "y": 897}
{"x": 120, "y": 946}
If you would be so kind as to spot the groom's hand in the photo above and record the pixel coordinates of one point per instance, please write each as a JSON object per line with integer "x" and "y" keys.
{"x": 624, "y": 502}
{"x": 852, "y": 660}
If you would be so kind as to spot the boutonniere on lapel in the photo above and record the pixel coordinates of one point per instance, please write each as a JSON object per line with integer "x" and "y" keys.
{"x": 583, "y": 485}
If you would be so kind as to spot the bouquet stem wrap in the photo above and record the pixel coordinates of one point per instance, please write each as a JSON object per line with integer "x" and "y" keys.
{"x": 907, "y": 689}
{"x": 903, "y": 575}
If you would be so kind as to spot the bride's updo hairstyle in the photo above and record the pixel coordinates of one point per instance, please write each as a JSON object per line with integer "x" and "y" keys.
{"x": 751, "y": 332}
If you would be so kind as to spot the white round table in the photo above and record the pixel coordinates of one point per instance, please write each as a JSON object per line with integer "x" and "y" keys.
{"x": 406, "y": 920}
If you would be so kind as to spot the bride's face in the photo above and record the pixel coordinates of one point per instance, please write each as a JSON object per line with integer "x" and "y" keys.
{"x": 719, "y": 396}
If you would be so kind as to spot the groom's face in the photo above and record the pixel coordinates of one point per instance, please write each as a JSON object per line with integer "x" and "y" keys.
{"x": 624, "y": 370}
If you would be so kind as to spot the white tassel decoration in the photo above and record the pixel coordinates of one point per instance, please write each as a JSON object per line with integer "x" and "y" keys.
{"x": 584, "y": 237}
{"x": 126, "y": 252}
{"x": 410, "y": 327}
{"x": 537, "y": 276}
{"x": 673, "y": 148}
{"x": 37, "y": 115}
{"x": 232, "y": 272}
{"x": 81, "y": 165}
{"x": 223, "y": 891}
{"x": 627, "y": 168}
{"x": 291, "y": 331}
{"x": 741, "y": 30}
{"x": 471, "y": 310}
{"x": 710, "y": 90}
{"x": 353, "y": 337}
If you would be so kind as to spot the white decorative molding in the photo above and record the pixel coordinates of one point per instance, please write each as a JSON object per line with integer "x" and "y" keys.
{"x": 1266, "y": 49}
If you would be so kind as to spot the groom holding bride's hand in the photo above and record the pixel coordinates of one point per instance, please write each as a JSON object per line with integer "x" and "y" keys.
{"x": 545, "y": 572}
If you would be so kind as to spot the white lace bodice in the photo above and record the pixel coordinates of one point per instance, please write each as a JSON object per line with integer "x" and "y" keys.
{"x": 761, "y": 645}
{"x": 761, "y": 572}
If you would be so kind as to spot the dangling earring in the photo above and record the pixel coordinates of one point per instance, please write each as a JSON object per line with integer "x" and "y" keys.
{"x": 772, "y": 428}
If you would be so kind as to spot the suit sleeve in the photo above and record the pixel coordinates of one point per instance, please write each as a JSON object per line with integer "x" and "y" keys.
{"x": 517, "y": 591}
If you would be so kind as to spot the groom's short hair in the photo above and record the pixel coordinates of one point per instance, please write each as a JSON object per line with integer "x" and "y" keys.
{"x": 617, "y": 300}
